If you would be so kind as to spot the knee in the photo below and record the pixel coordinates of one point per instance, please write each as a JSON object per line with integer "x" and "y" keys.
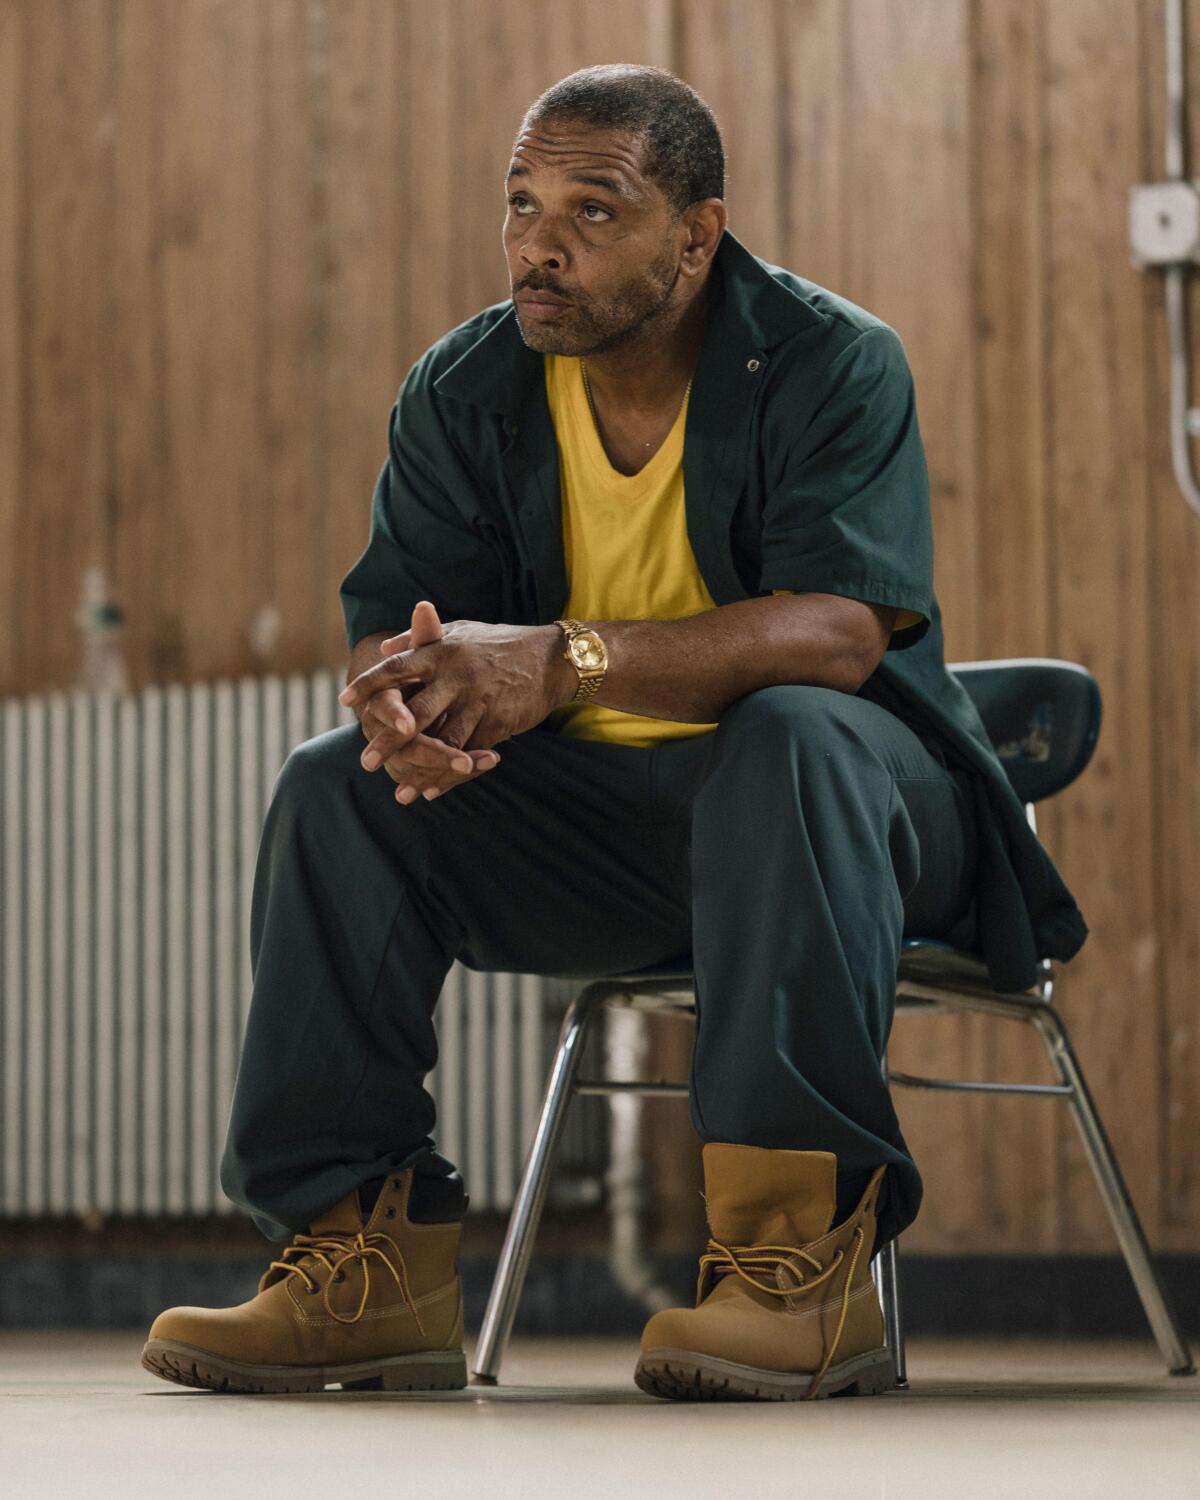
{"x": 802, "y": 714}
{"x": 326, "y": 761}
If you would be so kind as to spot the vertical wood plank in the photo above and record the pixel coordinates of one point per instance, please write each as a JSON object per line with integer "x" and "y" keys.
{"x": 814, "y": 187}
{"x": 304, "y": 519}
{"x": 907, "y": 258}
{"x": 488, "y": 70}
{"x": 214, "y": 564}
{"x": 635, "y": 31}
{"x": 431, "y": 253}
{"x": 1100, "y": 566}
{"x": 1013, "y": 581}
{"x": 64, "y": 277}
{"x": 12, "y": 334}
{"x": 136, "y": 347}
{"x": 909, "y": 251}
{"x": 362, "y": 269}
{"x": 1173, "y": 841}
{"x": 741, "y": 69}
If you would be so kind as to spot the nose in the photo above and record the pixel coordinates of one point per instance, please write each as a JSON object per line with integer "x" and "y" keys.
{"x": 542, "y": 247}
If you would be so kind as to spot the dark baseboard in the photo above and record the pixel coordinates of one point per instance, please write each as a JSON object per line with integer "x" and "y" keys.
{"x": 1055, "y": 1296}
{"x": 1058, "y": 1296}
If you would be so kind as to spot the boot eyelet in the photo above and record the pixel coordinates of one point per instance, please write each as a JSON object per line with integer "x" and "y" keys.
{"x": 312, "y": 1290}
{"x": 339, "y": 1276}
{"x": 395, "y": 1182}
{"x": 389, "y": 1213}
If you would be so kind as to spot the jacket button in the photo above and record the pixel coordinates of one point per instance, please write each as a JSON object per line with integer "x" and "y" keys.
{"x": 752, "y": 365}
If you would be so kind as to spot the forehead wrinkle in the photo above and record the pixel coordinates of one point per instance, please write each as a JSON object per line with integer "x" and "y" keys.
{"x": 614, "y": 179}
{"x": 628, "y": 158}
{"x": 618, "y": 185}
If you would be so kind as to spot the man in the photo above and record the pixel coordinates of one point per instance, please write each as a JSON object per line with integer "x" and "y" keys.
{"x": 646, "y": 641}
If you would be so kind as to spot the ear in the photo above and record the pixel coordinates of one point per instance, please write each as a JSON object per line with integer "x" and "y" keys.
{"x": 705, "y": 224}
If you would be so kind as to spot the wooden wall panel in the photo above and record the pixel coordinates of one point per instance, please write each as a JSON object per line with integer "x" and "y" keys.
{"x": 228, "y": 227}
{"x": 815, "y": 189}
{"x": 363, "y": 193}
{"x": 1101, "y": 606}
{"x": 1012, "y": 579}
{"x": 908, "y": 251}
{"x": 143, "y": 540}
{"x": 13, "y": 665}
{"x": 737, "y": 68}
{"x": 63, "y": 289}
{"x": 907, "y": 257}
{"x": 500, "y": 68}
{"x": 433, "y": 251}
{"x": 304, "y": 516}
{"x": 1171, "y": 844}
{"x": 215, "y": 556}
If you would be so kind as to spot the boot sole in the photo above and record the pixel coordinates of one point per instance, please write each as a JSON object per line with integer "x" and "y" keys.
{"x": 683, "y": 1375}
{"x": 436, "y": 1370}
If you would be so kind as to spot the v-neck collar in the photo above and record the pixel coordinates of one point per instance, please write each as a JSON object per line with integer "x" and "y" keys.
{"x": 578, "y": 412}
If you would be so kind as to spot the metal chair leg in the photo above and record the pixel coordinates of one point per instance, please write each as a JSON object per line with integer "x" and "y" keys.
{"x": 531, "y": 1195}
{"x": 885, "y": 1271}
{"x": 1114, "y": 1192}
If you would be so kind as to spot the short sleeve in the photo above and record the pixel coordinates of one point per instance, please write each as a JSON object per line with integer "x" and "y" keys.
{"x": 850, "y": 513}
{"x": 424, "y": 540}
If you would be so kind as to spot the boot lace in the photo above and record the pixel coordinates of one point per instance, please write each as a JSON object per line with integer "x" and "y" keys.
{"x": 356, "y": 1247}
{"x": 721, "y": 1259}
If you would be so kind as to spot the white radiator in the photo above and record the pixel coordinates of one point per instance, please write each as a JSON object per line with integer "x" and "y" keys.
{"x": 130, "y": 830}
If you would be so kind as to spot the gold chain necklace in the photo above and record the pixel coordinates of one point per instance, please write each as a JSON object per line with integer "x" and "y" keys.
{"x": 592, "y": 405}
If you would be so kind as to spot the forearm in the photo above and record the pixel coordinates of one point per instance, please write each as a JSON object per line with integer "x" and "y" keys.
{"x": 692, "y": 669}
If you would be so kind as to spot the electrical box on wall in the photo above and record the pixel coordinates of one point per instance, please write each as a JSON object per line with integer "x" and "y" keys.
{"x": 1164, "y": 224}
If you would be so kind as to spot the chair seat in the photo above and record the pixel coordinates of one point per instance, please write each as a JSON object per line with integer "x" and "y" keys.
{"x": 673, "y": 968}
{"x": 930, "y": 961}
{"x": 922, "y": 960}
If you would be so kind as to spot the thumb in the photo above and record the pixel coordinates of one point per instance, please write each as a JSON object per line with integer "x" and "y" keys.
{"x": 426, "y": 627}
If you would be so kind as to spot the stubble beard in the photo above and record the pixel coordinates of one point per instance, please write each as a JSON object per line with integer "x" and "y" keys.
{"x": 626, "y": 319}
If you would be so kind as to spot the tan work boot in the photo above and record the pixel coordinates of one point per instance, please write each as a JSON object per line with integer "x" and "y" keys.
{"x": 785, "y": 1306}
{"x": 364, "y": 1306}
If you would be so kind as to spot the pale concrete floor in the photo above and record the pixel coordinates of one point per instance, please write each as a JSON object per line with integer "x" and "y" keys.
{"x": 79, "y": 1415}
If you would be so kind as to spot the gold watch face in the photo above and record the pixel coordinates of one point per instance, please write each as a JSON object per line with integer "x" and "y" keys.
{"x": 587, "y": 649}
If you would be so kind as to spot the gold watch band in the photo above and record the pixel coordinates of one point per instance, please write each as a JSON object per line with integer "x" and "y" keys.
{"x": 590, "y": 678}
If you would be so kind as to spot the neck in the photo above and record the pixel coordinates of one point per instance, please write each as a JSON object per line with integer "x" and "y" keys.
{"x": 650, "y": 367}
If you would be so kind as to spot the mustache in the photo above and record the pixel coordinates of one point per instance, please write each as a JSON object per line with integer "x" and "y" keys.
{"x": 541, "y": 286}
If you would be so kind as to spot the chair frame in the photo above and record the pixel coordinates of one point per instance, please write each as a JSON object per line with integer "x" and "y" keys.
{"x": 671, "y": 990}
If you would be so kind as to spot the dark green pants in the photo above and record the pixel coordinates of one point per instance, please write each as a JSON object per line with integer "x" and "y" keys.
{"x": 788, "y": 851}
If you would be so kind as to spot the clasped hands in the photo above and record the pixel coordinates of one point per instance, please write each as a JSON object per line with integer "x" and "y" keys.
{"x": 444, "y": 695}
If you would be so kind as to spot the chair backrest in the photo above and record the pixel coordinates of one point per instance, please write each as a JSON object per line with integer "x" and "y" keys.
{"x": 1042, "y": 716}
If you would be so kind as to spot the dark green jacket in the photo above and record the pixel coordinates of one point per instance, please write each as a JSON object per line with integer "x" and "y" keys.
{"x": 803, "y": 469}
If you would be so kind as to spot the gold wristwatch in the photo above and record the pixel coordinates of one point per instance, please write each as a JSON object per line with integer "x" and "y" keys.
{"x": 585, "y": 651}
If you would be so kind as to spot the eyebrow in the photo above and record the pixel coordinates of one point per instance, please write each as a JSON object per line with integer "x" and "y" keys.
{"x": 614, "y": 185}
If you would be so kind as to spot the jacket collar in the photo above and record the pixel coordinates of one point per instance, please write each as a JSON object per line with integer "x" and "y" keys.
{"x": 748, "y": 310}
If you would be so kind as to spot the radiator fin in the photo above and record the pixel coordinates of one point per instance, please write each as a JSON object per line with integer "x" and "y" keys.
{"x": 131, "y": 826}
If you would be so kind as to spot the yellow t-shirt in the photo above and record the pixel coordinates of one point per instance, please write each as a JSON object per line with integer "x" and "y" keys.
{"x": 627, "y": 551}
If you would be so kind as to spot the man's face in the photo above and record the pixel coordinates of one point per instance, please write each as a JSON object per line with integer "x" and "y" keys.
{"x": 585, "y": 227}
